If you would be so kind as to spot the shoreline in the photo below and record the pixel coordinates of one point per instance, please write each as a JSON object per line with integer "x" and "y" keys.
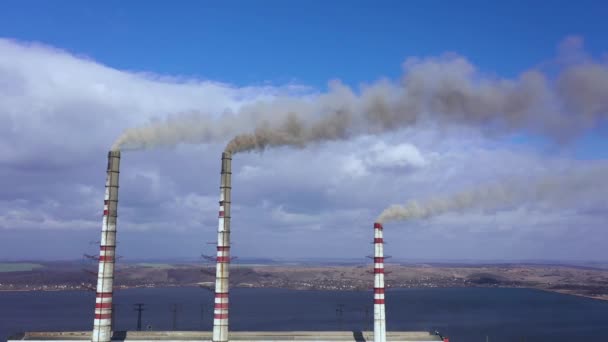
{"x": 559, "y": 291}
{"x": 568, "y": 292}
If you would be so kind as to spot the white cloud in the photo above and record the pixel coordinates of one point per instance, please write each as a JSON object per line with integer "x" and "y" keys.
{"x": 354, "y": 167}
{"x": 60, "y": 113}
{"x": 399, "y": 155}
{"x": 283, "y": 216}
{"x": 381, "y": 155}
{"x": 249, "y": 172}
{"x": 50, "y": 99}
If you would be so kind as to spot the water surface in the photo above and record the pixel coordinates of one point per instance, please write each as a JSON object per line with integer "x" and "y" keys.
{"x": 465, "y": 314}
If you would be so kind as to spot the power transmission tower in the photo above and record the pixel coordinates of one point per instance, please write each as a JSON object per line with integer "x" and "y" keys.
{"x": 139, "y": 307}
{"x": 174, "y": 311}
{"x": 339, "y": 312}
{"x": 367, "y": 319}
{"x": 113, "y": 322}
{"x": 202, "y": 315}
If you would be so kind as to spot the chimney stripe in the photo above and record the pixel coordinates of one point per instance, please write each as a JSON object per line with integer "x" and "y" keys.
{"x": 223, "y": 259}
{"x": 379, "y": 300}
{"x": 103, "y": 316}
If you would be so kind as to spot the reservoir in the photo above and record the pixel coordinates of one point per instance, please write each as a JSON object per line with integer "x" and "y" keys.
{"x": 464, "y": 314}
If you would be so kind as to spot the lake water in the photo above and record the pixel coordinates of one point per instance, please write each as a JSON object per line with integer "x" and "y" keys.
{"x": 465, "y": 314}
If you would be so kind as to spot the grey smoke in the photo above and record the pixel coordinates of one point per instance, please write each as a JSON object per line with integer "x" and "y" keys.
{"x": 191, "y": 128}
{"x": 580, "y": 188}
{"x": 442, "y": 90}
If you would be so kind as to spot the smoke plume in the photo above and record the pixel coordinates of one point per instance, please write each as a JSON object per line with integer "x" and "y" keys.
{"x": 443, "y": 90}
{"x": 585, "y": 187}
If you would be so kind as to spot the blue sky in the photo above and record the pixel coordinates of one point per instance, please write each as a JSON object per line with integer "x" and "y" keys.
{"x": 74, "y": 75}
{"x": 310, "y": 42}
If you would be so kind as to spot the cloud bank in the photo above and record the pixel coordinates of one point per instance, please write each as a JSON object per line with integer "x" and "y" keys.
{"x": 60, "y": 112}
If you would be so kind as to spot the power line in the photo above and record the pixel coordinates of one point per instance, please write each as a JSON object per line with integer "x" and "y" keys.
{"x": 139, "y": 307}
{"x": 174, "y": 311}
{"x": 113, "y": 321}
{"x": 203, "y": 306}
{"x": 339, "y": 312}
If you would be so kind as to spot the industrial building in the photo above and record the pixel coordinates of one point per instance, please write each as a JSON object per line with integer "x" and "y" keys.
{"x": 102, "y": 324}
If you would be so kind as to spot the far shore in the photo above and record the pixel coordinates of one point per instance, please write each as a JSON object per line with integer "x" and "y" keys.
{"x": 564, "y": 292}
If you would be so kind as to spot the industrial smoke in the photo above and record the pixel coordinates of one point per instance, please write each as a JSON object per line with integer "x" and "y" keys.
{"x": 442, "y": 90}
{"x": 564, "y": 189}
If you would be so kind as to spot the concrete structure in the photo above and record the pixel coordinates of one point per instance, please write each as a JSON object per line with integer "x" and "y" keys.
{"x": 220, "y": 311}
{"x": 379, "y": 309}
{"x": 102, "y": 324}
{"x": 240, "y": 336}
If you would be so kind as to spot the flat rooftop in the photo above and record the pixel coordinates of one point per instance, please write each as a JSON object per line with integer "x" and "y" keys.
{"x": 241, "y": 336}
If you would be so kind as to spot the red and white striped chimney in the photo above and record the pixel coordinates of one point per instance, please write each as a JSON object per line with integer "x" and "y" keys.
{"x": 379, "y": 310}
{"x": 102, "y": 324}
{"x": 220, "y": 317}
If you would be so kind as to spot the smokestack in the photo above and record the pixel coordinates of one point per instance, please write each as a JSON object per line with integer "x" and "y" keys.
{"x": 102, "y": 324}
{"x": 220, "y": 318}
{"x": 379, "y": 312}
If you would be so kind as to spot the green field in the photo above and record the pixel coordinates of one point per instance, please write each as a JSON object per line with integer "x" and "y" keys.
{"x": 18, "y": 266}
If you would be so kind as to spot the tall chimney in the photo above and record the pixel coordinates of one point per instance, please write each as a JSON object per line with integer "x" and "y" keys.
{"x": 102, "y": 324}
{"x": 379, "y": 312}
{"x": 220, "y": 317}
